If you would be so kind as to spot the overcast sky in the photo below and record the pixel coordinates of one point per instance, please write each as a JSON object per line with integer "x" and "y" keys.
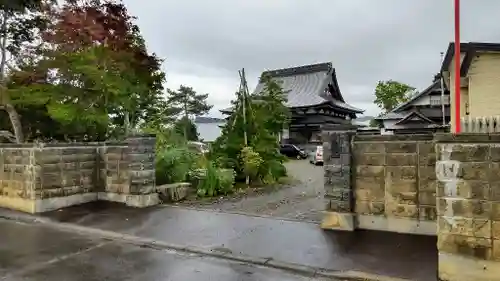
{"x": 205, "y": 42}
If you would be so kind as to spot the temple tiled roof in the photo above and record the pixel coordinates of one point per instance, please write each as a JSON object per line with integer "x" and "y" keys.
{"x": 306, "y": 86}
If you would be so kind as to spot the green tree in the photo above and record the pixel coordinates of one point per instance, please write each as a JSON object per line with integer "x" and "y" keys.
{"x": 389, "y": 94}
{"x": 261, "y": 117}
{"x": 92, "y": 74}
{"x": 187, "y": 103}
{"x": 271, "y": 106}
{"x": 188, "y": 127}
{"x": 20, "y": 25}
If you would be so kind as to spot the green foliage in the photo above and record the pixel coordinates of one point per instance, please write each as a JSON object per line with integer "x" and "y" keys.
{"x": 389, "y": 94}
{"x": 211, "y": 180}
{"x": 374, "y": 123}
{"x": 173, "y": 165}
{"x": 265, "y": 115}
{"x": 250, "y": 161}
{"x": 186, "y": 125}
{"x": 186, "y": 103}
{"x": 90, "y": 77}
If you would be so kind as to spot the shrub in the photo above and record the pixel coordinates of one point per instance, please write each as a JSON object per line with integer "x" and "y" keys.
{"x": 173, "y": 165}
{"x": 212, "y": 181}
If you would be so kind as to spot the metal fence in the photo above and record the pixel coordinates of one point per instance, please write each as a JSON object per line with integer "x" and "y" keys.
{"x": 490, "y": 124}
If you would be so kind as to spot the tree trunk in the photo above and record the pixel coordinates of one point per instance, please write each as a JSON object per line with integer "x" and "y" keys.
{"x": 5, "y": 103}
{"x": 15, "y": 120}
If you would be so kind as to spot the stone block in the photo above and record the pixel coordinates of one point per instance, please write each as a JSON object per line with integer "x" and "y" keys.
{"x": 427, "y": 185}
{"x": 173, "y": 192}
{"x": 401, "y": 159}
{"x": 494, "y": 189}
{"x": 495, "y": 152}
{"x": 480, "y": 228}
{"x": 369, "y": 190}
{"x": 427, "y": 160}
{"x": 427, "y": 198}
{"x": 401, "y": 210}
{"x": 337, "y": 221}
{"x": 495, "y": 255}
{"x": 465, "y": 208}
{"x": 341, "y": 206}
{"x": 469, "y": 153}
{"x": 427, "y": 173}
{"x": 475, "y": 171}
{"x": 401, "y": 147}
{"x": 401, "y": 173}
{"x": 495, "y": 211}
{"x": 369, "y": 147}
{"x": 369, "y": 159}
{"x": 480, "y": 248}
{"x": 495, "y": 230}
{"x": 425, "y": 147}
{"x": 370, "y": 171}
{"x": 470, "y": 189}
{"x": 427, "y": 213}
{"x": 369, "y": 208}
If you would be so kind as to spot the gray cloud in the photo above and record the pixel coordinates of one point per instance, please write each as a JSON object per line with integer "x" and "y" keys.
{"x": 206, "y": 42}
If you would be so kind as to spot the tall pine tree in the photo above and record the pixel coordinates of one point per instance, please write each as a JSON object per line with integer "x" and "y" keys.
{"x": 187, "y": 103}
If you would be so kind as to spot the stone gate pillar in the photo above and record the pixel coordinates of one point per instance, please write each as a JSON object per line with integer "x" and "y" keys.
{"x": 129, "y": 171}
{"x": 339, "y": 213}
{"x": 468, "y": 206}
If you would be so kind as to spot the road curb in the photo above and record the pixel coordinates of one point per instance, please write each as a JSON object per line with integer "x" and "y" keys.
{"x": 305, "y": 270}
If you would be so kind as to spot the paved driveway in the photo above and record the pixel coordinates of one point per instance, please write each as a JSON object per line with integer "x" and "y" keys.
{"x": 303, "y": 200}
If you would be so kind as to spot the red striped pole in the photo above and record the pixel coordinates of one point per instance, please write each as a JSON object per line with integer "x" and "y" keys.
{"x": 457, "y": 67}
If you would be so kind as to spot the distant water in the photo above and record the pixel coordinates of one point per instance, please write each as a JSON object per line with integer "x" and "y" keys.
{"x": 209, "y": 131}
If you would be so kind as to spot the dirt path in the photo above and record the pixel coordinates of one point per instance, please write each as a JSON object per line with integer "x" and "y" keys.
{"x": 303, "y": 200}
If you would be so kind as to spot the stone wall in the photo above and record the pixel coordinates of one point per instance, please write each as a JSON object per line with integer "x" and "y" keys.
{"x": 384, "y": 182}
{"x": 445, "y": 185}
{"x": 42, "y": 177}
{"x": 468, "y": 172}
{"x": 394, "y": 183}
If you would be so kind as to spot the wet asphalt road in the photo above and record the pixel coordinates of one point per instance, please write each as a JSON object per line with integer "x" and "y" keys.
{"x": 33, "y": 252}
{"x": 384, "y": 253}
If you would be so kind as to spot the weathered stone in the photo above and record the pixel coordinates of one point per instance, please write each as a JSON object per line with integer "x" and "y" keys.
{"x": 401, "y": 147}
{"x": 370, "y": 171}
{"x": 495, "y": 230}
{"x": 465, "y": 208}
{"x": 368, "y": 190}
{"x": 401, "y": 159}
{"x": 427, "y": 198}
{"x": 465, "y": 226}
{"x": 495, "y": 211}
{"x": 428, "y": 213}
{"x": 480, "y": 248}
{"x": 369, "y": 208}
{"x": 474, "y": 171}
{"x": 401, "y": 210}
{"x": 401, "y": 173}
{"x": 495, "y": 255}
{"x": 470, "y": 189}
{"x": 369, "y": 159}
{"x": 369, "y": 147}
{"x": 173, "y": 192}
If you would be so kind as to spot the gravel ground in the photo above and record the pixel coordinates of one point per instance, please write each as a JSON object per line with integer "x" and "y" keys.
{"x": 301, "y": 200}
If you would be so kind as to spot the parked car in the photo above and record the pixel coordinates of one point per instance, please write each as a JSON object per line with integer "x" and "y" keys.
{"x": 292, "y": 151}
{"x": 316, "y": 157}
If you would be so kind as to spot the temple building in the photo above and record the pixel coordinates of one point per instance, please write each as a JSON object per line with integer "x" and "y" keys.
{"x": 314, "y": 99}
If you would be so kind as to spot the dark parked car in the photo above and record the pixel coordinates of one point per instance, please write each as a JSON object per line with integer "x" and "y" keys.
{"x": 293, "y": 151}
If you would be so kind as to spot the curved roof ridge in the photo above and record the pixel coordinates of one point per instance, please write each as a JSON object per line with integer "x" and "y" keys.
{"x": 304, "y": 69}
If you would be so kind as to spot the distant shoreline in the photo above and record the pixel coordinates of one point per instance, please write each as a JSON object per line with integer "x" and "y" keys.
{"x": 208, "y": 120}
